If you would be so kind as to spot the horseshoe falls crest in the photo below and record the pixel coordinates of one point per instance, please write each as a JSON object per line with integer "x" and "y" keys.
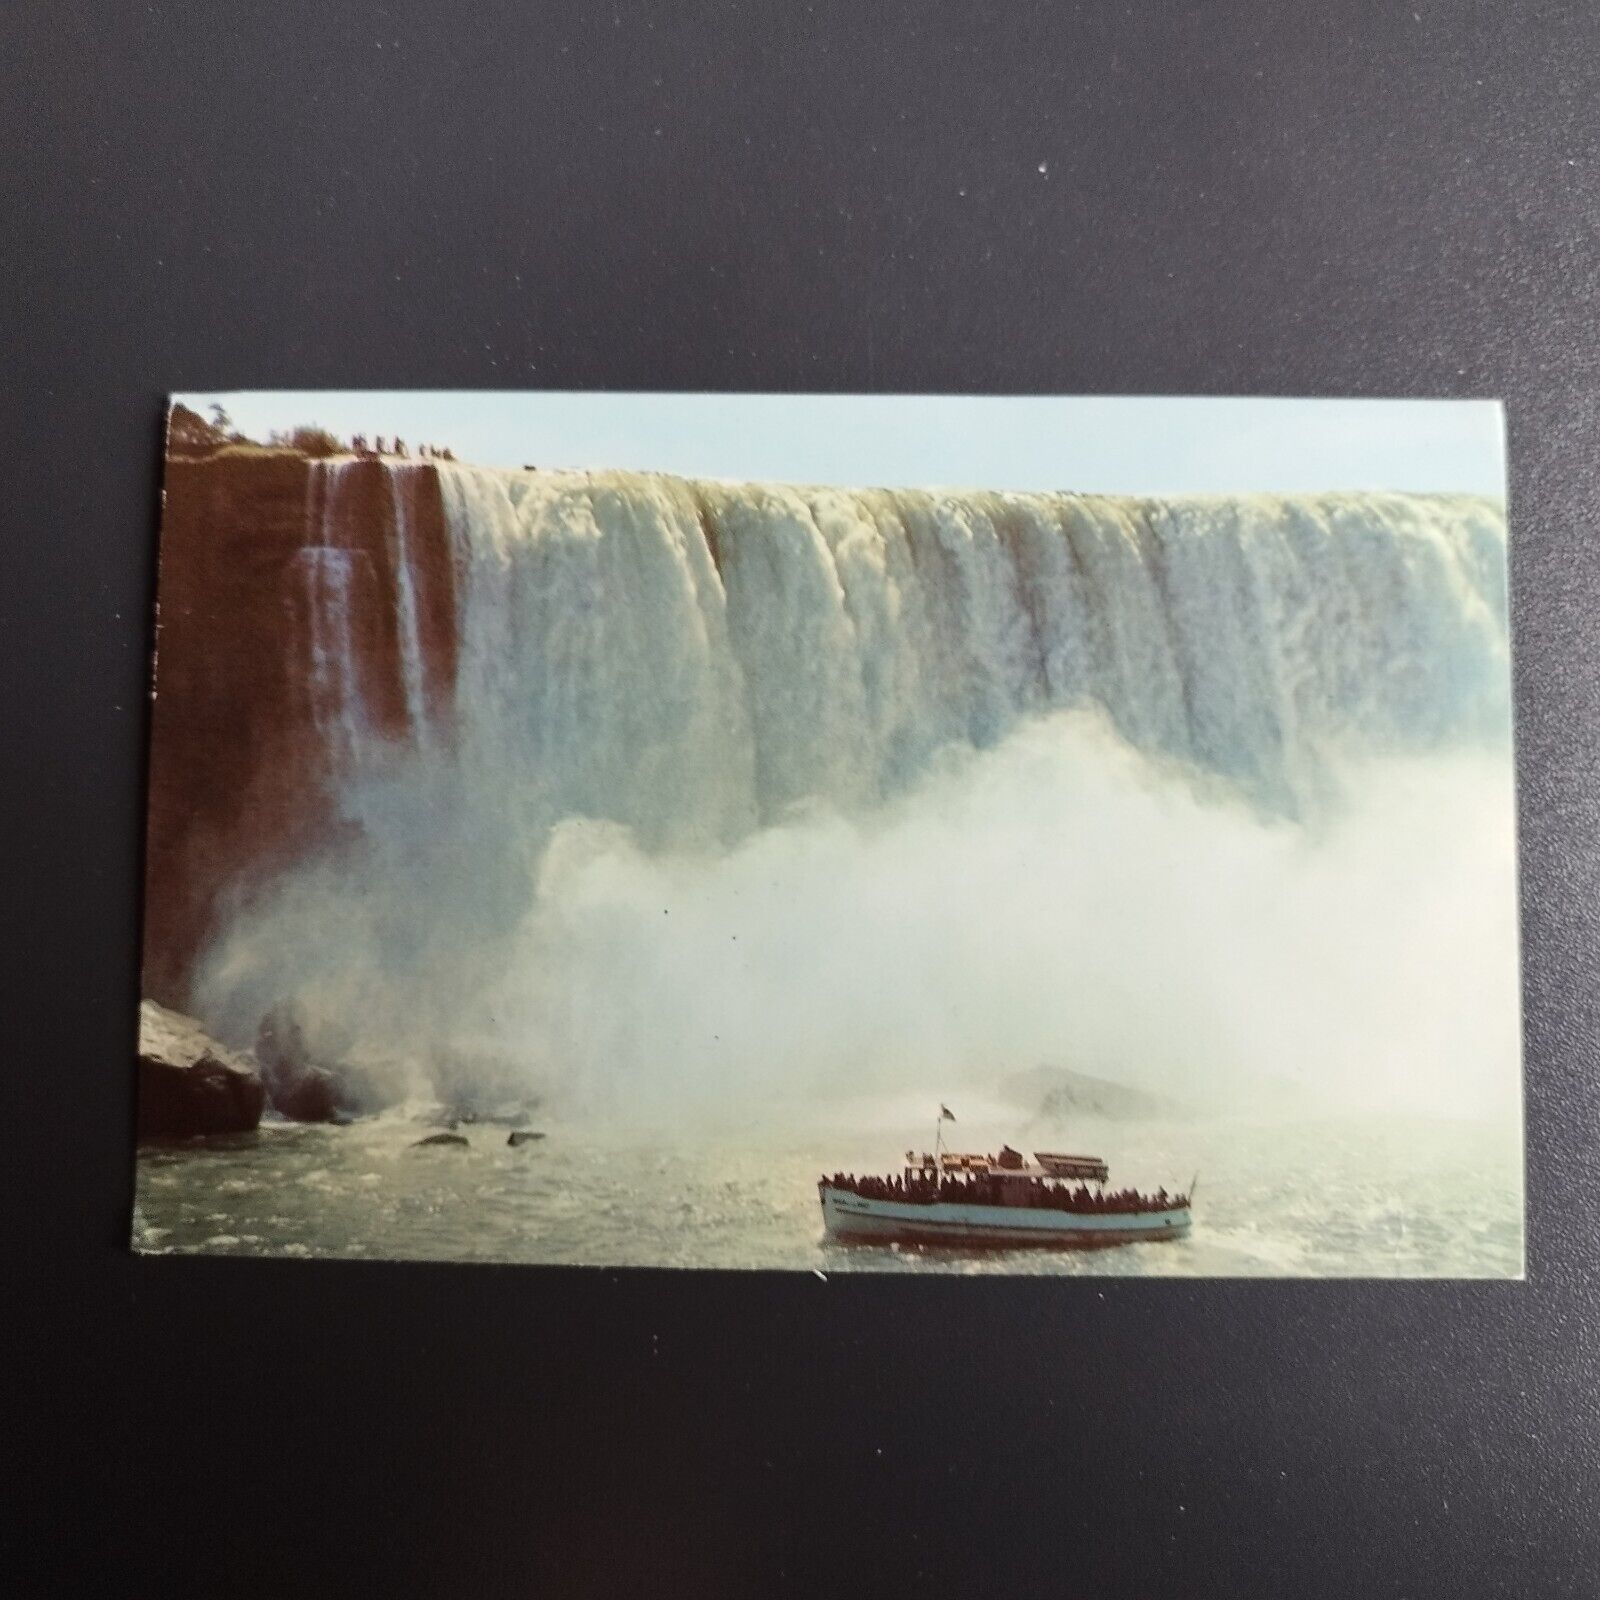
{"x": 693, "y": 659}
{"x": 754, "y": 789}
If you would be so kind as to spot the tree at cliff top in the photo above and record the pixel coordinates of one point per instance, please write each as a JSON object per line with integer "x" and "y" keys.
{"x": 308, "y": 440}
{"x": 189, "y": 434}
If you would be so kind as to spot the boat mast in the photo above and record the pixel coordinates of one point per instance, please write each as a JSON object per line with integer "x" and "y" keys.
{"x": 945, "y": 1115}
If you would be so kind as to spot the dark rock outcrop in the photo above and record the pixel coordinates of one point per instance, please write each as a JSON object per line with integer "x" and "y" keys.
{"x": 188, "y": 1083}
{"x": 305, "y": 1090}
{"x": 452, "y": 1140}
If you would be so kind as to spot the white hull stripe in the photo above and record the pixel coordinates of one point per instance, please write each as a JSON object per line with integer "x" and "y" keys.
{"x": 848, "y": 1215}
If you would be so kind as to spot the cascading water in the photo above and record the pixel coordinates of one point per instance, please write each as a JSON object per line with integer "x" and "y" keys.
{"x": 402, "y": 488}
{"x": 717, "y": 751}
{"x": 691, "y": 659}
{"x": 332, "y": 690}
{"x": 325, "y": 623}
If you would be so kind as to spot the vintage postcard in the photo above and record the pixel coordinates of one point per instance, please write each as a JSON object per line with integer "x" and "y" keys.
{"x": 912, "y": 834}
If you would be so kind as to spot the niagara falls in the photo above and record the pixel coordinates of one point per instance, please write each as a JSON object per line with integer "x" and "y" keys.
{"x": 710, "y": 825}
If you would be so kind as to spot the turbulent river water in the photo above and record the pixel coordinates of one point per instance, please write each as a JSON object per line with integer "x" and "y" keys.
{"x": 1337, "y": 1198}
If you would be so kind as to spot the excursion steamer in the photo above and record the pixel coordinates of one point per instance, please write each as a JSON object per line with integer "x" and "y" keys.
{"x": 948, "y": 1198}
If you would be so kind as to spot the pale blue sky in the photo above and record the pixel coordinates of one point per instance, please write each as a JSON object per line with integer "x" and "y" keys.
{"x": 1112, "y": 445}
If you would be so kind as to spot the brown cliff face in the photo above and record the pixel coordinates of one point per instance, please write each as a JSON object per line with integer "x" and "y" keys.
{"x": 243, "y": 762}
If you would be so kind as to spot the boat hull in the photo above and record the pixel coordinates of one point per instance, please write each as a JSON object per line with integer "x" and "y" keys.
{"x": 850, "y": 1218}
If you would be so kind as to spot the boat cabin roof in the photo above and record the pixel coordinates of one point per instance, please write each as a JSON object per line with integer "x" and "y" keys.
{"x": 1045, "y": 1164}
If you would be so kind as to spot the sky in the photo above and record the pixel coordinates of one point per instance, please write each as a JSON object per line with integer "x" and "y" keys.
{"x": 1091, "y": 444}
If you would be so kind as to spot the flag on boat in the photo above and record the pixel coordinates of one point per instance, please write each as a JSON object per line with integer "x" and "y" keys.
{"x": 945, "y": 1113}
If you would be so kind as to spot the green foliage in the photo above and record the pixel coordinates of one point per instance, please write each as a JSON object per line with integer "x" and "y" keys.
{"x": 315, "y": 441}
{"x": 189, "y": 434}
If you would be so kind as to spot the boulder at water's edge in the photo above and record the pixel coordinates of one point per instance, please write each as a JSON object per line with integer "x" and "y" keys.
{"x": 188, "y": 1083}
{"x": 304, "y": 1090}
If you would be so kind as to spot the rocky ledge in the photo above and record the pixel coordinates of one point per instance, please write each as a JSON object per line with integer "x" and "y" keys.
{"x": 188, "y": 1083}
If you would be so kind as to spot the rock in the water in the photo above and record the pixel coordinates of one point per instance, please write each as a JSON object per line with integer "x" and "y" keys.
{"x": 527, "y": 1137}
{"x": 188, "y": 1083}
{"x": 310, "y": 1096}
{"x": 454, "y": 1139}
{"x": 305, "y": 1090}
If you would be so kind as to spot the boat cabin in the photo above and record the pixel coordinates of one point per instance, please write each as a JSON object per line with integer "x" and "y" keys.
{"x": 1008, "y": 1164}
{"x": 1086, "y": 1169}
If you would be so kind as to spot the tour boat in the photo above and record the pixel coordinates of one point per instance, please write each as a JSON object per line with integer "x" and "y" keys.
{"x": 950, "y": 1199}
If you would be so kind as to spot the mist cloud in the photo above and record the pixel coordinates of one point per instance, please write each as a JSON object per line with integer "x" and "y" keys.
{"x": 1059, "y": 898}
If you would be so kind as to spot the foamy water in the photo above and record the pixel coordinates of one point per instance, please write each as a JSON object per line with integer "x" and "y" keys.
{"x": 1385, "y": 1199}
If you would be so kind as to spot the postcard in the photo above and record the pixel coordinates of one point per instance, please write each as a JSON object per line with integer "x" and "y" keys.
{"x": 904, "y": 834}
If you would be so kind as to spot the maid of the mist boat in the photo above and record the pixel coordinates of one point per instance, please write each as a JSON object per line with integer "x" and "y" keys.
{"x": 946, "y": 1198}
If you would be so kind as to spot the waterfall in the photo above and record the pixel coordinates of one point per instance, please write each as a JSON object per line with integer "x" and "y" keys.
{"x": 330, "y": 679}
{"x": 739, "y": 789}
{"x": 694, "y": 659}
{"x": 325, "y": 585}
{"x": 407, "y": 623}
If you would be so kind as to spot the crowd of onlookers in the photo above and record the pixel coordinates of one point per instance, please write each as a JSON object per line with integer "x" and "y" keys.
{"x": 923, "y": 1188}
{"x": 381, "y": 446}
{"x": 189, "y": 434}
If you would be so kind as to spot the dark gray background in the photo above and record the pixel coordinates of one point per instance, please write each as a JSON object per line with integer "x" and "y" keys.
{"x": 1259, "y": 197}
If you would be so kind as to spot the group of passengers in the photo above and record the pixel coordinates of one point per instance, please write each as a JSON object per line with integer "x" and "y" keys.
{"x": 922, "y": 1188}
